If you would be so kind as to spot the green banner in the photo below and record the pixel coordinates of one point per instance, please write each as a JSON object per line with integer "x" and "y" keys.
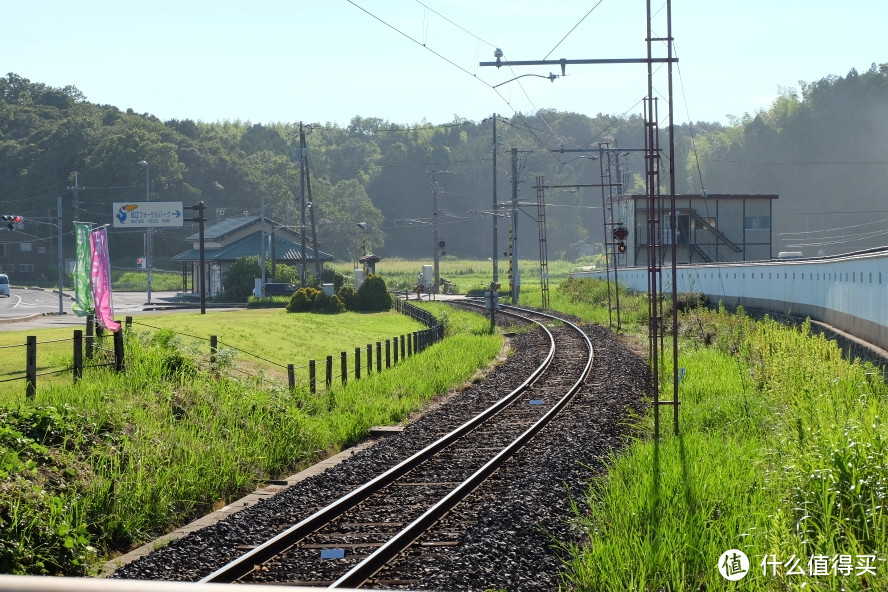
{"x": 83, "y": 304}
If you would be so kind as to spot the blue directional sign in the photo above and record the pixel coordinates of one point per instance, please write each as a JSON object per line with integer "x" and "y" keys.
{"x": 148, "y": 214}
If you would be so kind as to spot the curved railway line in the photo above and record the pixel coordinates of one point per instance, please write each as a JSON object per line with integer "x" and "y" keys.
{"x": 376, "y": 522}
{"x": 418, "y": 522}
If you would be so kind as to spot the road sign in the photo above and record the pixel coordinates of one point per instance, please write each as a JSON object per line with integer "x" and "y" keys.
{"x": 620, "y": 233}
{"x": 148, "y": 214}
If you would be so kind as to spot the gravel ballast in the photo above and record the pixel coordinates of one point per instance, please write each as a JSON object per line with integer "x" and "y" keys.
{"x": 512, "y": 526}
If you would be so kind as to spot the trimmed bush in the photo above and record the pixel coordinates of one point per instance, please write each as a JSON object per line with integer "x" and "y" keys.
{"x": 314, "y": 300}
{"x": 335, "y": 305}
{"x": 303, "y": 300}
{"x": 349, "y": 297}
{"x": 373, "y": 296}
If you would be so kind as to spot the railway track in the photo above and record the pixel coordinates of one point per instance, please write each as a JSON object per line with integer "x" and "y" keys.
{"x": 380, "y": 533}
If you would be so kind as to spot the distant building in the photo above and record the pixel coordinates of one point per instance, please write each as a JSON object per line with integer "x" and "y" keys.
{"x": 25, "y": 257}
{"x": 235, "y": 238}
{"x": 717, "y": 227}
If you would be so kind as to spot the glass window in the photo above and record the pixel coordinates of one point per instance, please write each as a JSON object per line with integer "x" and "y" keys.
{"x": 757, "y": 222}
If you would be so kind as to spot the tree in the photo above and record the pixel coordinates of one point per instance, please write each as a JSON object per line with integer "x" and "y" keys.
{"x": 373, "y": 296}
{"x": 239, "y": 278}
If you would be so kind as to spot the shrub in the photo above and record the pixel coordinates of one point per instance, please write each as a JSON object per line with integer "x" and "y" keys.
{"x": 373, "y": 295}
{"x": 349, "y": 297}
{"x": 321, "y": 300}
{"x": 314, "y": 300}
{"x": 303, "y": 300}
{"x": 335, "y": 305}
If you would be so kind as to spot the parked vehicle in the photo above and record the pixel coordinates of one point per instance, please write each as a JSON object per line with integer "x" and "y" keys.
{"x": 280, "y": 289}
{"x": 4, "y": 285}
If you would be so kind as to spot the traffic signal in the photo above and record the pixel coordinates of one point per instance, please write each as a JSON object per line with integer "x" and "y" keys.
{"x": 11, "y": 221}
{"x": 621, "y": 247}
{"x": 140, "y": 263}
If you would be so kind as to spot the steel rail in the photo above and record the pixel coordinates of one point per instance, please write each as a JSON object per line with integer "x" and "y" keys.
{"x": 374, "y": 562}
{"x": 247, "y": 563}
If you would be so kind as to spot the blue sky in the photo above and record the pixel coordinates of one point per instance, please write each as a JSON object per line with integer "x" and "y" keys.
{"x": 327, "y": 61}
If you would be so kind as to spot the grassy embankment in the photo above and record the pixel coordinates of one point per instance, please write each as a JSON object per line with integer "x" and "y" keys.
{"x": 781, "y": 455}
{"x": 96, "y": 468}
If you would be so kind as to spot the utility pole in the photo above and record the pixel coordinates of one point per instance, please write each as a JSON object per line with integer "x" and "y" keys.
{"x": 494, "y": 285}
{"x": 516, "y": 275}
{"x": 311, "y": 212}
{"x": 435, "y": 191}
{"x": 655, "y": 206}
{"x": 61, "y": 262}
{"x": 74, "y": 189}
{"x": 262, "y": 244}
{"x": 302, "y": 198}
{"x": 495, "y": 213}
{"x": 149, "y": 251}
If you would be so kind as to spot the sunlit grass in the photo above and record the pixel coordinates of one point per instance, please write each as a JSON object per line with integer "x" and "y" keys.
{"x": 781, "y": 455}
{"x": 97, "y": 467}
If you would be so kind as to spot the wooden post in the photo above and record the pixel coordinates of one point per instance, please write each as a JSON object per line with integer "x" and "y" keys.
{"x": 402, "y": 347}
{"x": 388, "y": 353}
{"x": 379, "y": 356}
{"x": 118, "y": 351}
{"x": 357, "y": 363}
{"x": 409, "y": 345}
{"x": 343, "y": 367}
{"x": 369, "y": 359}
{"x": 214, "y": 348}
{"x": 312, "y": 377}
{"x": 329, "y": 381}
{"x": 90, "y": 340}
{"x": 291, "y": 377}
{"x": 129, "y": 323}
{"x": 31, "y": 366}
{"x": 395, "y": 348}
{"x": 78, "y": 354}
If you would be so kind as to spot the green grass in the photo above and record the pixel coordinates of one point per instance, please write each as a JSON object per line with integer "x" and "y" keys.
{"x": 780, "y": 455}
{"x": 91, "y": 470}
{"x": 465, "y": 274}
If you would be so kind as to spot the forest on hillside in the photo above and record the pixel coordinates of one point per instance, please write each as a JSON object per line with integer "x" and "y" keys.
{"x": 821, "y": 149}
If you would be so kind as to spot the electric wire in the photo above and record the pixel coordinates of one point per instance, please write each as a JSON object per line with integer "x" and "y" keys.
{"x": 572, "y": 29}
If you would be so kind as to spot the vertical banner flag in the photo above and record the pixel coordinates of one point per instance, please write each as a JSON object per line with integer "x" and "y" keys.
{"x": 101, "y": 279}
{"x": 83, "y": 297}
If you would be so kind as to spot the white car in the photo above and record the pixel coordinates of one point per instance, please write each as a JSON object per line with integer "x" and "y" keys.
{"x": 4, "y": 285}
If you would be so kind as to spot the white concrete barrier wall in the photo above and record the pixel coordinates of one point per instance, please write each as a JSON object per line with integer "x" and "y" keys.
{"x": 846, "y": 292}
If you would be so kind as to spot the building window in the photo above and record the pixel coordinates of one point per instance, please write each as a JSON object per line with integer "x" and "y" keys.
{"x": 26, "y": 267}
{"x": 756, "y": 222}
{"x": 25, "y": 247}
{"x": 4, "y": 250}
{"x": 41, "y": 250}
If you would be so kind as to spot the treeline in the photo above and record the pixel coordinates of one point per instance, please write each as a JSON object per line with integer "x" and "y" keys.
{"x": 822, "y": 149}
{"x": 388, "y": 174}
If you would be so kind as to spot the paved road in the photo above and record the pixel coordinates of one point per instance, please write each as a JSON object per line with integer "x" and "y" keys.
{"x": 37, "y": 308}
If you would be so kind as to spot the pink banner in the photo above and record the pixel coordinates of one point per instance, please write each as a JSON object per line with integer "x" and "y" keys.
{"x": 101, "y": 279}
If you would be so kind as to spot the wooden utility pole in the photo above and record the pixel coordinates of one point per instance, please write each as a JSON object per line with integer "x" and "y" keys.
{"x": 302, "y": 174}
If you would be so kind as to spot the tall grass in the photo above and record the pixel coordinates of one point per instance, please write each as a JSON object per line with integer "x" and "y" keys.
{"x": 781, "y": 455}
{"x": 94, "y": 469}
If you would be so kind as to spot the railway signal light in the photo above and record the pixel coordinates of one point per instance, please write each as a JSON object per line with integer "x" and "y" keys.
{"x": 12, "y": 220}
{"x": 621, "y": 247}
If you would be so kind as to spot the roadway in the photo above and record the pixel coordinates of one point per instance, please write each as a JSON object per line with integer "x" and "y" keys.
{"x": 37, "y": 308}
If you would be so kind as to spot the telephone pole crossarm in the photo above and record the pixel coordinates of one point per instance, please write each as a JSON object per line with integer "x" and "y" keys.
{"x": 564, "y": 62}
